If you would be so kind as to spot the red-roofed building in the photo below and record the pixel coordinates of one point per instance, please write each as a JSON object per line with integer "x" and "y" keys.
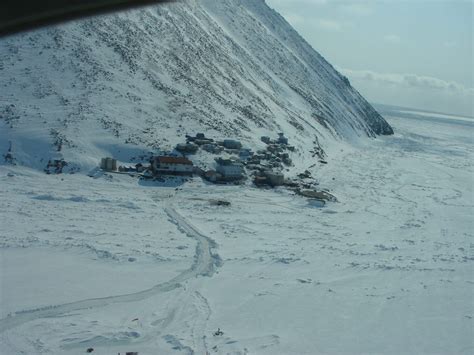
{"x": 172, "y": 165}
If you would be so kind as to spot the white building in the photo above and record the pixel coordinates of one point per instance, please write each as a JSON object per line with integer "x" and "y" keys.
{"x": 172, "y": 165}
{"x": 230, "y": 170}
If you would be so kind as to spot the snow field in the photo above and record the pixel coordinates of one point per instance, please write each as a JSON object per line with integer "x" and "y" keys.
{"x": 388, "y": 269}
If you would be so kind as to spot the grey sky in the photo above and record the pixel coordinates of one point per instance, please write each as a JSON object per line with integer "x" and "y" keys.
{"x": 411, "y": 53}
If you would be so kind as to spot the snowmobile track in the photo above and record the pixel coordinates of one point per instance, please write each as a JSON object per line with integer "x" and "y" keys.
{"x": 204, "y": 265}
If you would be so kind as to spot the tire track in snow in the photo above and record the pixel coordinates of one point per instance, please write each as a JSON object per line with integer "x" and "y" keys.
{"x": 204, "y": 264}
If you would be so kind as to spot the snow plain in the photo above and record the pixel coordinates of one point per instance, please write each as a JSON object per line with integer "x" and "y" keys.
{"x": 119, "y": 266}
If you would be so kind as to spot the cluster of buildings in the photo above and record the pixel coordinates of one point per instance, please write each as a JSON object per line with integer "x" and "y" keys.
{"x": 265, "y": 165}
{"x": 275, "y": 156}
{"x": 193, "y": 144}
{"x": 280, "y": 140}
{"x": 227, "y": 169}
{"x": 159, "y": 165}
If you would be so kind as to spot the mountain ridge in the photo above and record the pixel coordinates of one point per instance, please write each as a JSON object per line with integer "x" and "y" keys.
{"x": 145, "y": 78}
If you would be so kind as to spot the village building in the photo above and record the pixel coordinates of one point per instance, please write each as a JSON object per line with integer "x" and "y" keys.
{"x": 231, "y": 144}
{"x": 282, "y": 139}
{"x": 254, "y": 160}
{"x": 108, "y": 164}
{"x": 253, "y": 166}
{"x": 212, "y": 148}
{"x": 260, "y": 180}
{"x": 265, "y": 139}
{"x": 229, "y": 169}
{"x": 199, "y": 139}
{"x": 187, "y": 148}
{"x": 269, "y": 178}
{"x": 274, "y": 178}
{"x": 137, "y": 168}
{"x": 190, "y": 138}
{"x": 124, "y": 168}
{"x": 212, "y": 176}
{"x": 198, "y": 171}
{"x": 201, "y": 142}
{"x": 140, "y": 168}
{"x": 275, "y": 148}
{"x": 245, "y": 153}
{"x": 168, "y": 165}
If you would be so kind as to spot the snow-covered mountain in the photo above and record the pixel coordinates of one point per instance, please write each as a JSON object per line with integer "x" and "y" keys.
{"x": 108, "y": 264}
{"x": 138, "y": 81}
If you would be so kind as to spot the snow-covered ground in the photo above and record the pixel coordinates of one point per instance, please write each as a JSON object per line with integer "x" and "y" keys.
{"x": 116, "y": 265}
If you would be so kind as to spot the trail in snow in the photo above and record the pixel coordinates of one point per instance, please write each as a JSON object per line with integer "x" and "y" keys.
{"x": 204, "y": 265}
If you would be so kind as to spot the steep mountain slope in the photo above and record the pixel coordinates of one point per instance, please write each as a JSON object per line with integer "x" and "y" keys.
{"x": 138, "y": 81}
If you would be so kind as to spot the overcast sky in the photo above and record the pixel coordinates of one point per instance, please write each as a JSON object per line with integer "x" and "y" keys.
{"x": 416, "y": 53}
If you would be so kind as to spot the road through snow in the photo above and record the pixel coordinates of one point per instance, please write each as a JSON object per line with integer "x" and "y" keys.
{"x": 204, "y": 265}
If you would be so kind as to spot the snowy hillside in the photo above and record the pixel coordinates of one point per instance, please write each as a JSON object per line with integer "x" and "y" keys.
{"x": 134, "y": 82}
